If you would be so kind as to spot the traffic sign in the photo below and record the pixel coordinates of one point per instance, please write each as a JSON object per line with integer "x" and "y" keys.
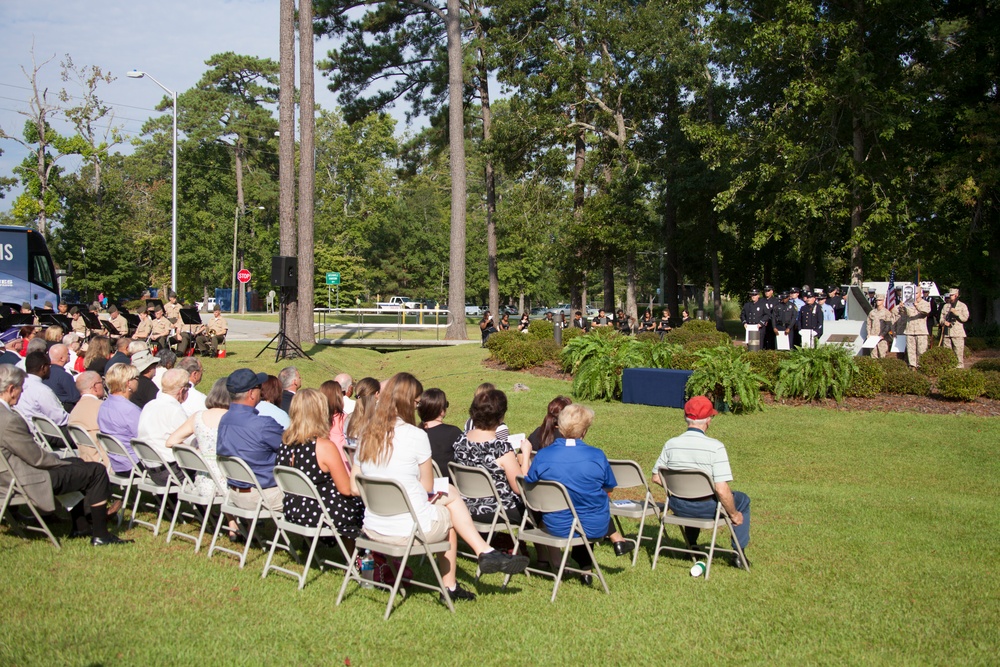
{"x": 244, "y": 275}
{"x": 332, "y": 278}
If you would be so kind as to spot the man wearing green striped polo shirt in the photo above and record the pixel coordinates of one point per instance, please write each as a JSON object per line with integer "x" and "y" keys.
{"x": 693, "y": 450}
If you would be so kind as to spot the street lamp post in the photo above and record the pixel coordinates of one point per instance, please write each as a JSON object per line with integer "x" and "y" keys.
{"x": 136, "y": 74}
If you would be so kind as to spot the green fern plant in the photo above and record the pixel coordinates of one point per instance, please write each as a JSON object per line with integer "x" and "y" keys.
{"x": 816, "y": 373}
{"x": 597, "y": 360}
{"x": 724, "y": 374}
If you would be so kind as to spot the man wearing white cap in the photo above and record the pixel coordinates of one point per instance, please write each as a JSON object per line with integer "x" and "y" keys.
{"x": 880, "y": 322}
{"x": 954, "y": 315}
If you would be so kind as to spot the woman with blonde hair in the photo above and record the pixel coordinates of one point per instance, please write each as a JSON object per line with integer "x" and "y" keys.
{"x": 366, "y": 393}
{"x": 118, "y": 416}
{"x": 392, "y": 447}
{"x": 306, "y": 447}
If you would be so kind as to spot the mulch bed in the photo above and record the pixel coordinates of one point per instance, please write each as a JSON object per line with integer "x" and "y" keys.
{"x": 550, "y": 369}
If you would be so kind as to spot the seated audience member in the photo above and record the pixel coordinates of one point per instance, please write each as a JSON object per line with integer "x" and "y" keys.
{"x": 118, "y": 321}
{"x": 84, "y": 414}
{"x": 118, "y": 416}
{"x": 647, "y": 323}
{"x": 270, "y": 400}
{"x": 204, "y": 426}
{"x": 480, "y": 448}
{"x": 121, "y": 355}
{"x": 347, "y": 388}
{"x": 335, "y": 408}
{"x": 256, "y": 439}
{"x": 503, "y": 432}
{"x": 366, "y": 392}
{"x": 548, "y": 431}
{"x": 10, "y": 355}
{"x": 160, "y": 330}
{"x": 59, "y": 379}
{"x": 432, "y": 409}
{"x": 44, "y": 475}
{"x": 694, "y": 450}
{"x": 625, "y": 325}
{"x": 34, "y": 345}
{"x": 38, "y": 400}
{"x": 504, "y": 324}
{"x": 195, "y": 401}
{"x": 487, "y": 327}
{"x": 392, "y": 447}
{"x": 214, "y": 335}
{"x": 146, "y": 390}
{"x": 162, "y": 416}
{"x": 306, "y": 448}
{"x": 579, "y": 322}
{"x": 524, "y": 322}
{"x": 145, "y": 327}
{"x": 52, "y": 335}
{"x": 167, "y": 360}
{"x": 663, "y": 324}
{"x": 72, "y": 342}
{"x": 684, "y": 317}
{"x": 98, "y": 353}
{"x": 587, "y": 476}
{"x": 601, "y": 320}
{"x": 291, "y": 382}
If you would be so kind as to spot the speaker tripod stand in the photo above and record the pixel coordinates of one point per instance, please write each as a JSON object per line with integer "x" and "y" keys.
{"x": 284, "y": 347}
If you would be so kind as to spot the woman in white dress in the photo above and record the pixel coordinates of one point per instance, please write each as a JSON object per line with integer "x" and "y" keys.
{"x": 204, "y": 425}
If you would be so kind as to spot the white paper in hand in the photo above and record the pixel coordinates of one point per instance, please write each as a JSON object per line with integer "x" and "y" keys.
{"x": 516, "y": 440}
{"x": 441, "y": 485}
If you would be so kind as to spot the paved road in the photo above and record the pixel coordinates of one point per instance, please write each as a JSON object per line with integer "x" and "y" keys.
{"x": 248, "y": 329}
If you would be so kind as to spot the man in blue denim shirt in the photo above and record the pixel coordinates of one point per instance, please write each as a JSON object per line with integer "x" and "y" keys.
{"x": 245, "y": 433}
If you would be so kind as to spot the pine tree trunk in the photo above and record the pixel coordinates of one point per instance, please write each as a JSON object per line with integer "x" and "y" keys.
{"x": 609, "y": 283}
{"x": 857, "y": 206}
{"x": 286, "y": 158}
{"x": 631, "y": 309}
{"x": 307, "y": 173}
{"x": 456, "y": 142}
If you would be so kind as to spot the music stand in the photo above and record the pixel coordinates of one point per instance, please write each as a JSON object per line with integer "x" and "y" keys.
{"x": 91, "y": 320}
{"x": 190, "y": 317}
{"x": 285, "y": 346}
{"x": 131, "y": 318}
{"x": 58, "y": 319}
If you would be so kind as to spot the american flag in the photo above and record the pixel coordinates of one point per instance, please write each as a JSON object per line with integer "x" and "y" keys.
{"x": 890, "y": 294}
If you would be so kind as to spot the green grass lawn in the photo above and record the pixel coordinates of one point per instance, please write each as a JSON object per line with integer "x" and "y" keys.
{"x": 874, "y": 541}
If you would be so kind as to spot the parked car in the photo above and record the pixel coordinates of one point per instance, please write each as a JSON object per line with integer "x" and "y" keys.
{"x": 209, "y": 305}
{"x": 472, "y": 310}
{"x": 397, "y": 303}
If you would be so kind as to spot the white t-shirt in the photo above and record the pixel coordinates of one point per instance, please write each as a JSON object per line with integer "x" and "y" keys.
{"x": 410, "y": 448}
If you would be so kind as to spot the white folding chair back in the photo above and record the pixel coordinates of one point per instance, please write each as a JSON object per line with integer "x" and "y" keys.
{"x": 387, "y": 497}
{"x": 294, "y": 482}
{"x": 83, "y": 442}
{"x": 694, "y": 485}
{"x": 49, "y": 431}
{"x": 234, "y": 468}
{"x": 13, "y": 495}
{"x": 153, "y": 462}
{"x": 436, "y": 468}
{"x": 126, "y": 482}
{"x": 547, "y": 496}
{"x": 629, "y": 475}
{"x": 191, "y": 462}
{"x": 475, "y": 482}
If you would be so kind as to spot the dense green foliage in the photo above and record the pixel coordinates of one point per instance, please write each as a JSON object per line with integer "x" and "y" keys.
{"x": 988, "y": 364}
{"x": 816, "y": 373}
{"x": 964, "y": 384}
{"x": 992, "y": 384}
{"x": 936, "y": 361}
{"x": 869, "y": 378}
{"x": 724, "y": 374}
{"x": 907, "y": 381}
{"x": 766, "y": 363}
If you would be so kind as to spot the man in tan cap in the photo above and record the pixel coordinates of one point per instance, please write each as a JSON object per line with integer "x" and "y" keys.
{"x": 954, "y": 315}
{"x": 913, "y": 321}
{"x": 161, "y": 329}
{"x": 693, "y": 450}
{"x": 118, "y": 321}
{"x": 880, "y": 322}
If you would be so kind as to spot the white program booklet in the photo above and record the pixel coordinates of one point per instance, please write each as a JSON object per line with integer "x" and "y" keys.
{"x": 751, "y": 329}
{"x": 784, "y": 341}
{"x": 441, "y": 485}
{"x": 899, "y": 343}
{"x": 808, "y": 337}
{"x": 517, "y": 440}
{"x": 871, "y": 342}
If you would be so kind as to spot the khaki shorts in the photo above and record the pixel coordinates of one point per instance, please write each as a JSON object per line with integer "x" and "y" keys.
{"x": 438, "y": 532}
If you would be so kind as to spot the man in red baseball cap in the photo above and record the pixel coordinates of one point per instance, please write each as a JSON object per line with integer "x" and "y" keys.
{"x": 693, "y": 450}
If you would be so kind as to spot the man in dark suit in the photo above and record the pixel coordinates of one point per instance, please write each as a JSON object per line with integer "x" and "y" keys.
{"x": 59, "y": 379}
{"x": 43, "y": 475}
{"x": 291, "y": 382}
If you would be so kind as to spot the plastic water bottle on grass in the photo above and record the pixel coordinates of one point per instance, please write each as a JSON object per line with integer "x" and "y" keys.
{"x": 367, "y": 569}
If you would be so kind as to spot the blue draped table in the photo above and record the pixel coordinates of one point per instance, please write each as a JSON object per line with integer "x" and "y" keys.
{"x": 654, "y": 386}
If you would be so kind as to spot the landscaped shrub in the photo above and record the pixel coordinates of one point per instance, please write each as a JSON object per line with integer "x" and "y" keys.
{"x": 519, "y": 352}
{"x": 540, "y": 329}
{"x": 815, "y": 373}
{"x": 571, "y": 333}
{"x": 975, "y": 344}
{"x": 962, "y": 383}
{"x": 991, "y": 364}
{"x": 907, "y": 382}
{"x": 724, "y": 374}
{"x": 500, "y": 340}
{"x": 893, "y": 364}
{"x": 765, "y": 363}
{"x": 989, "y": 332}
{"x": 696, "y": 330}
{"x": 869, "y": 379}
{"x": 549, "y": 349}
{"x": 648, "y": 336}
{"x": 936, "y": 361}
{"x": 992, "y": 384}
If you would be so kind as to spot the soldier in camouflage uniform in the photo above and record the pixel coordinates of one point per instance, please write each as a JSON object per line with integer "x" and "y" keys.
{"x": 880, "y": 323}
{"x": 915, "y": 318}
{"x": 954, "y": 315}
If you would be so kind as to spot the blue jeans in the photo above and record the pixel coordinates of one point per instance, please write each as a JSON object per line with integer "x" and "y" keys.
{"x": 705, "y": 509}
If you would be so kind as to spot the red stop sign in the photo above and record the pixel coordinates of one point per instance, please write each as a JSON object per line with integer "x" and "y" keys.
{"x": 244, "y": 275}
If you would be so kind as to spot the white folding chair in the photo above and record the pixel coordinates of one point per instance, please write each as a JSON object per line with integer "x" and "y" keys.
{"x": 387, "y": 497}
{"x": 82, "y": 442}
{"x": 294, "y": 482}
{"x": 473, "y": 482}
{"x": 13, "y": 496}
{"x": 695, "y": 485}
{"x": 236, "y": 469}
{"x": 546, "y": 496}
{"x": 152, "y": 460}
{"x": 49, "y": 431}
{"x": 191, "y": 462}
{"x": 126, "y": 483}
{"x": 629, "y": 475}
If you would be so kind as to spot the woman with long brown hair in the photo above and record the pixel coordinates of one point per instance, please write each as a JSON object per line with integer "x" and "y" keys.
{"x": 98, "y": 353}
{"x": 334, "y": 394}
{"x": 365, "y": 394}
{"x": 546, "y": 434}
{"x": 306, "y": 447}
{"x": 392, "y": 447}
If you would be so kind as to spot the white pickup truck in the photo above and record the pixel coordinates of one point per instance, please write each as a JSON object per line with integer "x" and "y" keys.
{"x": 396, "y": 304}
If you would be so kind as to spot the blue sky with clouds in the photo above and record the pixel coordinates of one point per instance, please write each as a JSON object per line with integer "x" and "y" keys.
{"x": 171, "y": 40}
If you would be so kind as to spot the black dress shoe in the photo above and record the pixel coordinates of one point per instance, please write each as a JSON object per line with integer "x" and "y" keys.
{"x": 586, "y": 579}
{"x": 110, "y": 539}
{"x": 624, "y": 547}
{"x": 459, "y": 594}
{"x": 79, "y": 533}
{"x": 738, "y": 564}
